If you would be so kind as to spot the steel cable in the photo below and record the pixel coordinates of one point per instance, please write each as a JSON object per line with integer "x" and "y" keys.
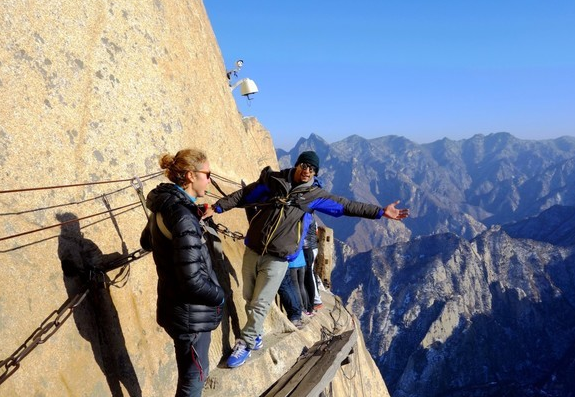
{"x": 144, "y": 178}
{"x": 132, "y": 206}
{"x": 73, "y": 185}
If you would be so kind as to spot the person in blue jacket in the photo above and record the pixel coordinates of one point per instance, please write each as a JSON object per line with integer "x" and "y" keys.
{"x": 284, "y": 204}
{"x": 290, "y": 302}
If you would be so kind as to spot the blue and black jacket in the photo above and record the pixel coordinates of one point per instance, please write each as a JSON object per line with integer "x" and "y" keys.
{"x": 282, "y": 211}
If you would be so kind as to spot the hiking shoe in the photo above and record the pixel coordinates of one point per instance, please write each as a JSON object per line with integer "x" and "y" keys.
{"x": 259, "y": 343}
{"x": 298, "y": 323}
{"x": 239, "y": 355}
{"x": 317, "y": 306}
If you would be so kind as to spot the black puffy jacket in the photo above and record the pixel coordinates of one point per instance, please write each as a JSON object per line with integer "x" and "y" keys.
{"x": 190, "y": 298}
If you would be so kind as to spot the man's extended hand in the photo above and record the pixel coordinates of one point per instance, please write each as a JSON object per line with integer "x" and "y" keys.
{"x": 395, "y": 213}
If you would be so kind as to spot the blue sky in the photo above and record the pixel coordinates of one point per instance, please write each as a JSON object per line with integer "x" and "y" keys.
{"x": 420, "y": 69}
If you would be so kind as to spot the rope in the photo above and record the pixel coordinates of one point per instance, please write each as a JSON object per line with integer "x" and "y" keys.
{"x": 213, "y": 195}
{"x": 146, "y": 178}
{"x": 135, "y": 182}
{"x": 223, "y": 178}
{"x": 51, "y": 207}
{"x": 132, "y": 205}
{"x": 56, "y": 236}
{"x": 218, "y": 188}
{"x": 73, "y": 185}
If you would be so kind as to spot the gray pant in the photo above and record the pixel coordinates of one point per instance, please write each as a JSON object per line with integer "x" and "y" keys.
{"x": 262, "y": 276}
{"x": 192, "y": 358}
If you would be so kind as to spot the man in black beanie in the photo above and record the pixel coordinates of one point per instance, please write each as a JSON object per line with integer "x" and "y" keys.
{"x": 310, "y": 158}
{"x": 285, "y": 203}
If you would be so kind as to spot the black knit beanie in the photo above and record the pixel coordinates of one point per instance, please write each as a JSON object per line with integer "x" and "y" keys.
{"x": 310, "y": 158}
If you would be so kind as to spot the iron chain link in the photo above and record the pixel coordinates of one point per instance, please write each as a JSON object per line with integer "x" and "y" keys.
{"x": 58, "y": 317}
{"x": 48, "y": 327}
{"x": 225, "y": 231}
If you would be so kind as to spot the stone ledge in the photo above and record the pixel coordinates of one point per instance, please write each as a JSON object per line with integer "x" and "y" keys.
{"x": 282, "y": 348}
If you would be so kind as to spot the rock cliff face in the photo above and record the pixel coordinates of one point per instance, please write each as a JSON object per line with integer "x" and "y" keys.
{"x": 92, "y": 93}
{"x": 488, "y": 317}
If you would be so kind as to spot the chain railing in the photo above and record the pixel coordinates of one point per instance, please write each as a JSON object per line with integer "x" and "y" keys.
{"x": 95, "y": 276}
{"x": 227, "y": 232}
{"x": 48, "y": 327}
{"x": 57, "y": 318}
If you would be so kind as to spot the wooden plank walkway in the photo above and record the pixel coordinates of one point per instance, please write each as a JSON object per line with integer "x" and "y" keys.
{"x": 315, "y": 369}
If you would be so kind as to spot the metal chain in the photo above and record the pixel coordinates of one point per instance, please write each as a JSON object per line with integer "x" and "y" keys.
{"x": 58, "y": 317}
{"x": 225, "y": 231}
{"x": 41, "y": 334}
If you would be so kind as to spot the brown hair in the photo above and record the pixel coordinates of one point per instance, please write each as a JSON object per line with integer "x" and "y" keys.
{"x": 185, "y": 160}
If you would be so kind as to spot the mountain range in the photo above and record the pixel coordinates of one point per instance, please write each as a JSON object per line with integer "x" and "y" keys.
{"x": 462, "y": 187}
{"x": 474, "y": 294}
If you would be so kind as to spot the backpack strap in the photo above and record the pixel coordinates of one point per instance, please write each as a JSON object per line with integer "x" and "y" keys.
{"x": 162, "y": 226}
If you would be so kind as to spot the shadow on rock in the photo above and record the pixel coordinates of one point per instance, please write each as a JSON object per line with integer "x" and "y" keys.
{"x": 84, "y": 266}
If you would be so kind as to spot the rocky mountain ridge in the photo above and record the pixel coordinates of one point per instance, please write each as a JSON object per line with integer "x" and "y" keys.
{"x": 461, "y": 187}
{"x": 444, "y": 316}
{"x": 554, "y": 226}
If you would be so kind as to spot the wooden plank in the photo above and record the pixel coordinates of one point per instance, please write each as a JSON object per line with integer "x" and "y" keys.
{"x": 312, "y": 373}
{"x": 325, "y": 370}
{"x": 285, "y": 379}
{"x": 295, "y": 380}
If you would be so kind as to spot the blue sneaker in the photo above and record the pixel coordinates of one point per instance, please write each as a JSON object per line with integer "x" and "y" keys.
{"x": 259, "y": 343}
{"x": 239, "y": 355}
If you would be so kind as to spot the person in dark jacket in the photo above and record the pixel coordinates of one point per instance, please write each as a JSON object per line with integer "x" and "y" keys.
{"x": 296, "y": 269}
{"x": 290, "y": 301}
{"x": 285, "y": 202}
{"x": 190, "y": 298}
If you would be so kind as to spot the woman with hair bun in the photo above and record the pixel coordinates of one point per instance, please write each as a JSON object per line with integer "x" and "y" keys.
{"x": 190, "y": 298}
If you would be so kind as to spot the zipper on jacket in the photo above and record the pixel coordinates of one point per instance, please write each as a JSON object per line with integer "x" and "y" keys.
{"x": 273, "y": 230}
{"x": 298, "y": 232}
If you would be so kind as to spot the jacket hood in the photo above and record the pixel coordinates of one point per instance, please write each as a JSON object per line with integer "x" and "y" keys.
{"x": 163, "y": 196}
